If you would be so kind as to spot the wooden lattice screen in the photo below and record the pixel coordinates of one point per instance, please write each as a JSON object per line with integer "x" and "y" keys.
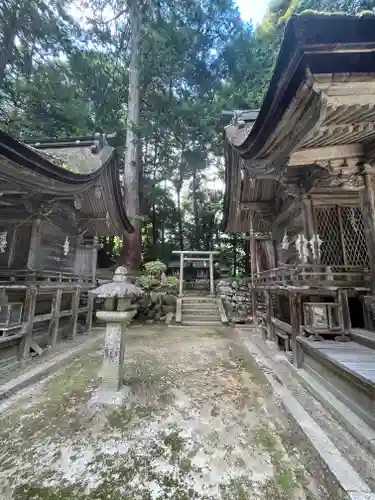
{"x": 21, "y": 246}
{"x": 342, "y": 232}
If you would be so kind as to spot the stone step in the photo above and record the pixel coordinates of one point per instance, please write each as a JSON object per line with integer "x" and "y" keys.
{"x": 201, "y": 317}
{"x": 201, "y": 323}
{"x": 198, "y": 299}
{"x": 199, "y": 308}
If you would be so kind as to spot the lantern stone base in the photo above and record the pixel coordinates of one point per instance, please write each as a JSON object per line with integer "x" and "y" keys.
{"x": 112, "y": 372}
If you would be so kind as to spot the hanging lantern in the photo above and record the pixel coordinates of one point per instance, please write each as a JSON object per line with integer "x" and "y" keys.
{"x": 285, "y": 242}
{"x": 3, "y": 241}
{"x": 66, "y": 246}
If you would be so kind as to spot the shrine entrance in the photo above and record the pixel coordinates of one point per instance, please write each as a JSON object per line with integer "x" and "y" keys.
{"x": 197, "y": 256}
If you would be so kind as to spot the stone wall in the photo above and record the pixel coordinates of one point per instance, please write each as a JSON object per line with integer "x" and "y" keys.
{"x": 156, "y": 306}
{"x": 236, "y": 296}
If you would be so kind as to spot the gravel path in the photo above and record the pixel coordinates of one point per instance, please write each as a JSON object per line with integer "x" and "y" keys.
{"x": 195, "y": 424}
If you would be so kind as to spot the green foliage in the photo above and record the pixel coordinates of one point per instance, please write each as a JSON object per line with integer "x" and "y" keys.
{"x": 59, "y": 78}
{"x": 172, "y": 284}
{"x": 155, "y": 268}
{"x": 147, "y": 282}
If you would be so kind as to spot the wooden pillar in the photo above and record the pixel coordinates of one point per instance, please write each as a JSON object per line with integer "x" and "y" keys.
{"x": 270, "y": 329}
{"x": 94, "y": 260}
{"x": 212, "y": 282}
{"x": 295, "y": 318}
{"x": 90, "y": 312}
{"x": 367, "y": 315}
{"x": 368, "y": 213}
{"x": 181, "y": 273}
{"x": 56, "y": 317}
{"x": 30, "y": 303}
{"x": 309, "y": 226}
{"x": 254, "y": 305}
{"x": 343, "y": 299}
{"x": 75, "y": 310}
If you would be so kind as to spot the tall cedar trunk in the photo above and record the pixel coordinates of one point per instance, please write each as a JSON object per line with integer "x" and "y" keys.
{"x": 234, "y": 247}
{"x": 180, "y": 231}
{"x": 131, "y": 254}
{"x": 6, "y": 52}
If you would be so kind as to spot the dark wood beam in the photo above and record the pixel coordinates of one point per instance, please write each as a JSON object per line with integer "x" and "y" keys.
{"x": 265, "y": 207}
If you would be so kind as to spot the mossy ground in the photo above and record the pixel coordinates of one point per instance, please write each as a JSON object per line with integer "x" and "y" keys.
{"x": 194, "y": 424}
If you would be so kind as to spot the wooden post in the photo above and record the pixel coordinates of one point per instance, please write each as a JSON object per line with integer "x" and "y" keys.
{"x": 75, "y": 309}
{"x": 270, "y": 329}
{"x": 343, "y": 299}
{"x": 181, "y": 273}
{"x": 212, "y": 282}
{"x": 90, "y": 312}
{"x": 254, "y": 305}
{"x": 368, "y": 212}
{"x": 30, "y": 304}
{"x": 94, "y": 259}
{"x": 295, "y": 317}
{"x": 56, "y": 316}
{"x": 308, "y": 225}
{"x": 367, "y": 315}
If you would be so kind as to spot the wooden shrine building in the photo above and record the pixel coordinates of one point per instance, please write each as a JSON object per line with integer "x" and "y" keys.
{"x": 56, "y": 198}
{"x": 300, "y": 177}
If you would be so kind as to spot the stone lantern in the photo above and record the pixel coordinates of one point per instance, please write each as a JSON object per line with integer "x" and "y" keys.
{"x": 117, "y": 314}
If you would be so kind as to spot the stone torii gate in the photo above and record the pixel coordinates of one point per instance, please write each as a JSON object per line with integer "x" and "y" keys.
{"x": 184, "y": 256}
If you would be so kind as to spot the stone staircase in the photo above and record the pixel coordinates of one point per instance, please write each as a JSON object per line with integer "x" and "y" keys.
{"x": 200, "y": 310}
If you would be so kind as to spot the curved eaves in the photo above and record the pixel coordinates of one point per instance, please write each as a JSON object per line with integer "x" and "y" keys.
{"x": 320, "y": 43}
{"x": 30, "y": 159}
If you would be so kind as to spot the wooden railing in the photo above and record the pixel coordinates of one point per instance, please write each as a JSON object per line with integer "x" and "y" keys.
{"x": 66, "y": 275}
{"x": 310, "y": 274}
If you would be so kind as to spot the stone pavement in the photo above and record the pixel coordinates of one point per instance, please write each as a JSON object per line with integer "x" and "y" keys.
{"x": 195, "y": 424}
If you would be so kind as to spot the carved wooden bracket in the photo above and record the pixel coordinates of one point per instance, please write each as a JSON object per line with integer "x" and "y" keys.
{"x": 343, "y": 173}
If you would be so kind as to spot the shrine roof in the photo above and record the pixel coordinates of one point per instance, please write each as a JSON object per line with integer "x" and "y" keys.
{"x": 81, "y": 155}
{"x": 81, "y": 173}
{"x": 316, "y": 44}
{"x": 319, "y": 106}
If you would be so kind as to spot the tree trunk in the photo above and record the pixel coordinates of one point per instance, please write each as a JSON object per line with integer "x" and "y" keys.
{"x": 131, "y": 254}
{"x": 6, "y": 52}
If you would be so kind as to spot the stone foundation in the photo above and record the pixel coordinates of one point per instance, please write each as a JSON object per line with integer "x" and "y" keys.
{"x": 236, "y": 297}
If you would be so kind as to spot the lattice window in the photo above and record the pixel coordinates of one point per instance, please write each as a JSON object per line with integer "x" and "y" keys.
{"x": 342, "y": 232}
{"x": 328, "y": 228}
{"x": 356, "y": 253}
{"x": 50, "y": 254}
{"x": 20, "y": 247}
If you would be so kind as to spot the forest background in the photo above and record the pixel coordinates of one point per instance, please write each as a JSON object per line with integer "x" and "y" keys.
{"x": 64, "y": 71}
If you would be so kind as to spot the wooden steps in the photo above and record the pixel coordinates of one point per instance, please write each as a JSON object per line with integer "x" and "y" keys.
{"x": 345, "y": 369}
